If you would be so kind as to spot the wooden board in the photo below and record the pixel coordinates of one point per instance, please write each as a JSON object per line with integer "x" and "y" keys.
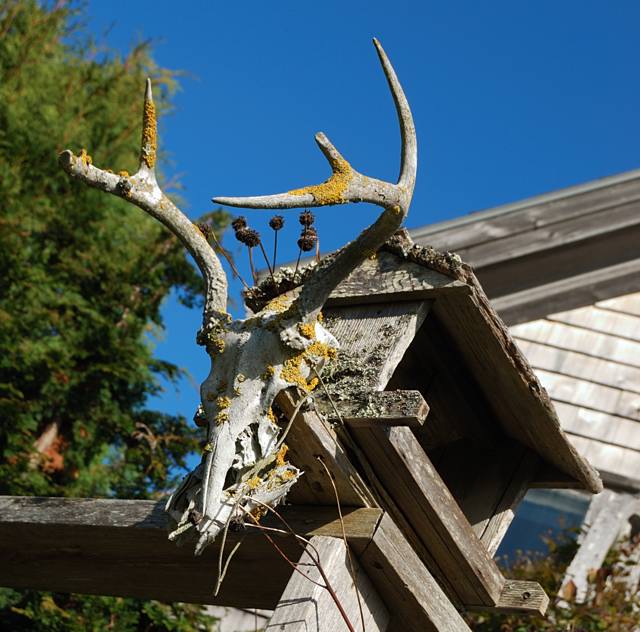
{"x": 408, "y": 475}
{"x": 309, "y": 438}
{"x": 384, "y": 279}
{"x": 120, "y": 547}
{"x": 382, "y": 408}
{"x": 523, "y": 217}
{"x": 415, "y": 600}
{"x": 580, "y": 340}
{"x": 579, "y": 365}
{"x": 601, "y": 320}
{"x": 629, "y": 304}
{"x": 307, "y": 606}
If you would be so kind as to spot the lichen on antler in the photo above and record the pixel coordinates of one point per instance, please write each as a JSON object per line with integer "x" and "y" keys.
{"x": 243, "y": 465}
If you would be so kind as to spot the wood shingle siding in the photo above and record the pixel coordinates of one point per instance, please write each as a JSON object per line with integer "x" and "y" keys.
{"x": 588, "y": 359}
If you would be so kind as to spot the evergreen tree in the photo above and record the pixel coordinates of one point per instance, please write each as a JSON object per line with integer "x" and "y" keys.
{"x": 82, "y": 279}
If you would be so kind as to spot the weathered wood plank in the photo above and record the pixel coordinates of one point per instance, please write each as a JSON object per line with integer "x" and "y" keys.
{"x": 527, "y": 216}
{"x": 518, "y": 301}
{"x": 571, "y": 390}
{"x": 561, "y": 233}
{"x": 382, "y": 408}
{"x": 375, "y": 338}
{"x": 613, "y": 461}
{"x": 581, "y": 366}
{"x": 580, "y": 340}
{"x": 412, "y": 595}
{"x": 523, "y": 596}
{"x": 629, "y": 304}
{"x": 306, "y": 606}
{"x": 386, "y": 279}
{"x": 407, "y": 473}
{"x": 600, "y": 426}
{"x": 120, "y": 547}
{"x": 612, "y": 511}
{"x": 601, "y": 320}
{"x": 309, "y": 438}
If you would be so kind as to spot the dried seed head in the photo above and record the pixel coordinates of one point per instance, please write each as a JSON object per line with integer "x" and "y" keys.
{"x": 309, "y": 230}
{"x": 307, "y": 241}
{"x": 276, "y": 222}
{"x": 307, "y": 218}
{"x": 249, "y": 237}
{"x": 239, "y": 223}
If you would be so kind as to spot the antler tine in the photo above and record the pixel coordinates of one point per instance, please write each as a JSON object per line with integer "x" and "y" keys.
{"x": 409, "y": 156}
{"x": 142, "y": 190}
{"x": 346, "y": 184}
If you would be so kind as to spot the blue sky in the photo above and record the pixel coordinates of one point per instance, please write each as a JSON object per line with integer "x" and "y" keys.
{"x": 510, "y": 98}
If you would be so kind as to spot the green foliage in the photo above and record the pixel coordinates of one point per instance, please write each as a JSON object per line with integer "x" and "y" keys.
{"x": 83, "y": 278}
{"x": 608, "y": 606}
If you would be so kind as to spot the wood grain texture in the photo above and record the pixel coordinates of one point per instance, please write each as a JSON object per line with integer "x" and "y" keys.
{"x": 385, "y": 279}
{"x": 407, "y": 473}
{"x": 120, "y": 547}
{"x": 570, "y": 390}
{"x": 593, "y": 424}
{"x": 523, "y": 596}
{"x": 382, "y": 408}
{"x": 601, "y": 320}
{"x": 306, "y": 606}
{"x": 518, "y": 302}
{"x": 629, "y": 304}
{"x": 581, "y": 340}
{"x": 579, "y": 365}
{"x": 414, "y": 598}
{"x": 524, "y": 217}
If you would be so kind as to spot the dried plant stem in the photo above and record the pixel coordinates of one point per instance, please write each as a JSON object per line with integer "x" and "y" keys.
{"x": 318, "y": 249}
{"x": 266, "y": 259}
{"x": 225, "y": 254}
{"x": 254, "y": 276}
{"x": 297, "y": 263}
{"x": 316, "y": 560}
{"x": 275, "y": 248}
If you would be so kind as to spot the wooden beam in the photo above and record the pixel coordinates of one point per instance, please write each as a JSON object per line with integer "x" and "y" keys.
{"x": 309, "y": 438}
{"x": 606, "y": 517}
{"x": 523, "y": 596}
{"x": 380, "y": 409}
{"x": 414, "y": 598}
{"x": 419, "y": 491}
{"x": 386, "y": 279}
{"x": 305, "y": 606}
{"x": 120, "y": 547}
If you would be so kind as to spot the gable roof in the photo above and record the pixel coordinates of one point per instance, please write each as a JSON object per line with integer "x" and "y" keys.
{"x": 564, "y": 270}
{"x": 553, "y": 252}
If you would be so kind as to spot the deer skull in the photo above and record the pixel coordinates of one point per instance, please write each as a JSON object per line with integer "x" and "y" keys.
{"x": 243, "y": 468}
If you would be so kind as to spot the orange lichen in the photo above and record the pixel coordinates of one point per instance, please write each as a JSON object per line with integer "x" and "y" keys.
{"x": 149, "y": 142}
{"x": 270, "y": 371}
{"x": 254, "y": 482}
{"x": 123, "y": 173}
{"x": 85, "y": 157}
{"x": 223, "y": 404}
{"x": 308, "y": 330}
{"x": 282, "y": 452}
{"x": 332, "y": 190}
{"x": 271, "y": 416}
{"x": 278, "y": 304}
{"x": 291, "y": 368}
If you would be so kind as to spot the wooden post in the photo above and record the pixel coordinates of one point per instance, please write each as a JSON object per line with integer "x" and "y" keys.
{"x": 306, "y": 606}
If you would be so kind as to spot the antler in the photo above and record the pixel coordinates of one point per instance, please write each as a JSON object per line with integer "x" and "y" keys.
{"x": 347, "y": 185}
{"x": 142, "y": 190}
